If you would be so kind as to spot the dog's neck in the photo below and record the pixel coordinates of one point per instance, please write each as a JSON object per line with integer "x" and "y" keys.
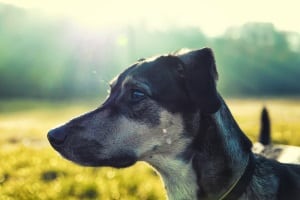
{"x": 221, "y": 154}
{"x": 179, "y": 177}
{"x": 212, "y": 164}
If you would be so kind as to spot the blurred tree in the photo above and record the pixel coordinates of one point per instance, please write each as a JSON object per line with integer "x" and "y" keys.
{"x": 258, "y": 59}
{"x": 55, "y": 58}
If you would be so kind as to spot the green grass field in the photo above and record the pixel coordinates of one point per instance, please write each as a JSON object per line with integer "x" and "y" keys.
{"x": 30, "y": 169}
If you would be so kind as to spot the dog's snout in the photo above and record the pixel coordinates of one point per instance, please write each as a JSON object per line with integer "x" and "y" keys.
{"x": 57, "y": 136}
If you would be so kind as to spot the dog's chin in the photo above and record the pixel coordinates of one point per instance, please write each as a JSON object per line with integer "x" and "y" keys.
{"x": 120, "y": 161}
{"x": 107, "y": 163}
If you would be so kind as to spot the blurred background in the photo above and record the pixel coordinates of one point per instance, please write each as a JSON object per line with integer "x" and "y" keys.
{"x": 56, "y": 58}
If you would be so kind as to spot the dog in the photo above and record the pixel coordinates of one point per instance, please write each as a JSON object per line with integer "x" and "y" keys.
{"x": 279, "y": 152}
{"x": 166, "y": 111}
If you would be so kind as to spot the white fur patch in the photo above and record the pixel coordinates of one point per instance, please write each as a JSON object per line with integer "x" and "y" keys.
{"x": 281, "y": 153}
{"x": 289, "y": 154}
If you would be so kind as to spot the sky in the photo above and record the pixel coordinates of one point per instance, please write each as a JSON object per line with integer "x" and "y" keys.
{"x": 212, "y": 16}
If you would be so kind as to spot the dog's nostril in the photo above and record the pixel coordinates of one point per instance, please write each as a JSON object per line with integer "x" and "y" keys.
{"x": 57, "y": 136}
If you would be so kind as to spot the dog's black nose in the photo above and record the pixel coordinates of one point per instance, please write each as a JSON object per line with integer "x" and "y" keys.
{"x": 57, "y": 136}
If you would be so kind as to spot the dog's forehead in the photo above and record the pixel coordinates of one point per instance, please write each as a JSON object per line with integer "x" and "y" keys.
{"x": 117, "y": 80}
{"x": 158, "y": 68}
{"x": 164, "y": 62}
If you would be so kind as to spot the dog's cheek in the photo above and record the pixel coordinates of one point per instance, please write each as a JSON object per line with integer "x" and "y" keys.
{"x": 133, "y": 132}
{"x": 145, "y": 112}
{"x": 136, "y": 136}
{"x": 165, "y": 138}
{"x": 125, "y": 135}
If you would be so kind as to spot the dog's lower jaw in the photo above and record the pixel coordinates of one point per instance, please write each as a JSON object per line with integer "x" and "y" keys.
{"x": 120, "y": 161}
{"x": 108, "y": 163}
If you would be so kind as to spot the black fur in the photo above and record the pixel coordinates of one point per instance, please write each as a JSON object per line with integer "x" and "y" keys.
{"x": 205, "y": 145}
{"x": 164, "y": 81}
{"x": 200, "y": 75}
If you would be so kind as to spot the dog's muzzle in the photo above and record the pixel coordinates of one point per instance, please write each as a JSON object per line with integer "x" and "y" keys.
{"x": 87, "y": 152}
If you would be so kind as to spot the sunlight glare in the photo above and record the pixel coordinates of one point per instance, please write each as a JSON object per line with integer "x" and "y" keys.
{"x": 212, "y": 16}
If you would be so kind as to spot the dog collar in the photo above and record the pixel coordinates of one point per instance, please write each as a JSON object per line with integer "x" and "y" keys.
{"x": 239, "y": 187}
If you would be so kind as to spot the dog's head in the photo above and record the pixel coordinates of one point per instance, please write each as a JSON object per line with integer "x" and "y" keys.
{"x": 152, "y": 111}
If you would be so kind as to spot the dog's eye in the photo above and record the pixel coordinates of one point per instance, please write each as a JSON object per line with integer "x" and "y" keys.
{"x": 137, "y": 95}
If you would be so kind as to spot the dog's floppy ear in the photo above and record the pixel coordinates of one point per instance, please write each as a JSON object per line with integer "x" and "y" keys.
{"x": 200, "y": 75}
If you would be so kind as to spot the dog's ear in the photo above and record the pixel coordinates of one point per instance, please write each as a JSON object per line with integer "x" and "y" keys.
{"x": 200, "y": 75}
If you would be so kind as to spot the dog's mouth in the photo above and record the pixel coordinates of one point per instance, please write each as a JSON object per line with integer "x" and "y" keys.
{"x": 117, "y": 162}
{"x": 120, "y": 161}
{"x": 91, "y": 158}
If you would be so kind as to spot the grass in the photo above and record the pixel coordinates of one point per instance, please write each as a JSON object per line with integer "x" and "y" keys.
{"x": 30, "y": 169}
